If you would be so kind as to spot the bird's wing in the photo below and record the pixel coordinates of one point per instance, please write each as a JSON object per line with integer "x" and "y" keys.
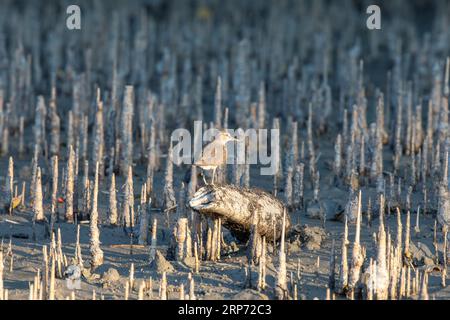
{"x": 212, "y": 154}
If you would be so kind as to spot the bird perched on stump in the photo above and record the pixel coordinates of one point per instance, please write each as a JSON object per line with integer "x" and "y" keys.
{"x": 215, "y": 153}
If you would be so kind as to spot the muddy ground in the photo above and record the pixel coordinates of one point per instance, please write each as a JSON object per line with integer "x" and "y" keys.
{"x": 224, "y": 279}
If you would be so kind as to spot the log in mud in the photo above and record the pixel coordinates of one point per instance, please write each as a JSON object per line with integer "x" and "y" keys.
{"x": 236, "y": 206}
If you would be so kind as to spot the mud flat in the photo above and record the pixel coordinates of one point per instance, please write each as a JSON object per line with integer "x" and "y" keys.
{"x": 92, "y": 205}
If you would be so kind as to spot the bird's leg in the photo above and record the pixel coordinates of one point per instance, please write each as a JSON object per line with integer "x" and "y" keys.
{"x": 203, "y": 176}
{"x": 214, "y": 173}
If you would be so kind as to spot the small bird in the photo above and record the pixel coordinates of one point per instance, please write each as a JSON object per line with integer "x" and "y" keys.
{"x": 215, "y": 153}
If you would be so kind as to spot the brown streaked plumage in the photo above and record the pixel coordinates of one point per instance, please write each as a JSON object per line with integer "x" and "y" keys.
{"x": 214, "y": 153}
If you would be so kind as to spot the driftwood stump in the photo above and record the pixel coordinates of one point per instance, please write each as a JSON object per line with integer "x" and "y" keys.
{"x": 236, "y": 207}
